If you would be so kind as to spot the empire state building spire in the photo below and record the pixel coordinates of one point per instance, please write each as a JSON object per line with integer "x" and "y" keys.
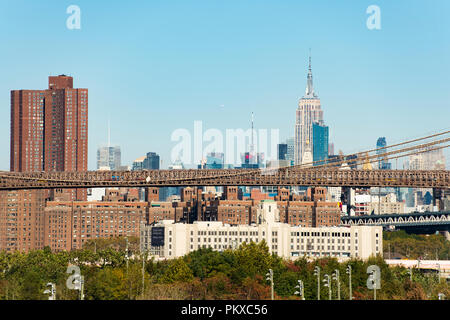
{"x": 309, "y": 93}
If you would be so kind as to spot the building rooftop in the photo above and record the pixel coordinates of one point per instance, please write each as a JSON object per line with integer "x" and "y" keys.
{"x": 140, "y": 159}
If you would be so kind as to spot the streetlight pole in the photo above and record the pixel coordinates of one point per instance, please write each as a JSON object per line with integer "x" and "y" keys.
{"x": 128, "y": 275}
{"x": 327, "y": 283}
{"x": 269, "y": 276}
{"x": 300, "y": 291}
{"x": 81, "y": 287}
{"x": 143, "y": 272}
{"x": 349, "y": 272}
{"x": 336, "y": 277}
{"x": 126, "y": 252}
{"x": 317, "y": 273}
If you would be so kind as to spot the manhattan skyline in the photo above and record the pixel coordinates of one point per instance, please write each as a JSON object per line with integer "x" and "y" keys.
{"x": 154, "y": 68}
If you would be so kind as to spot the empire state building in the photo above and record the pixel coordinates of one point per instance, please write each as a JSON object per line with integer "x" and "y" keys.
{"x": 307, "y": 113}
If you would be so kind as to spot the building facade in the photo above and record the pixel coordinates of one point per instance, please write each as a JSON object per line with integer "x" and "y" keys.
{"x": 138, "y": 164}
{"x": 308, "y": 112}
{"x": 151, "y": 161}
{"x": 320, "y": 142}
{"x": 49, "y": 132}
{"x": 49, "y": 128}
{"x": 282, "y": 151}
{"x": 109, "y": 157}
{"x": 172, "y": 240}
{"x": 68, "y": 225}
{"x": 215, "y": 160}
{"x": 383, "y": 164}
{"x": 22, "y": 220}
{"x": 290, "y": 150}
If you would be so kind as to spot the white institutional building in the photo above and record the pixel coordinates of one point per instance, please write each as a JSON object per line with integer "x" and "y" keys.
{"x": 167, "y": 239}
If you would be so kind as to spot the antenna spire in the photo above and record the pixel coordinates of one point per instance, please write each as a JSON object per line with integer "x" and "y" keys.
{"x": 252, "y": 145}
{"x": 309, "y": 93}
{"x": 309, "y": 59}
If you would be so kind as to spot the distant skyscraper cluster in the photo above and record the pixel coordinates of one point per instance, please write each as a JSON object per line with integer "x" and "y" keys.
{"x": 215, "y": 160}
{"x": 109, "y": 157}
{"x": 148, "y": 162}
{"x": 431, "y": 160}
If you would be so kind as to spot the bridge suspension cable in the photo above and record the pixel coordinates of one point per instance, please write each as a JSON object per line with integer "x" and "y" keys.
{"x": 357, "y": 155}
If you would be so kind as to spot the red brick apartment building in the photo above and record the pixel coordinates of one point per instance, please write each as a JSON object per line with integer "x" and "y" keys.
{"x": 65, "y": 225}
{"x": 49, "y": 129}
{"x": 49, "y": 132}
{"x": 309, "y": 210}
{"x": 68, "y": 225}
{"x": 21, "y": 220}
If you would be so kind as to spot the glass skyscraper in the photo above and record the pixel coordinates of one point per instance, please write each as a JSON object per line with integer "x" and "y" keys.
{"x": 151, "y": 161}
{"x": 383, "y": 164}
{"x": 320, "y": 142}
{"x": 215, "y": 160}
{"x": 282, "y": 151}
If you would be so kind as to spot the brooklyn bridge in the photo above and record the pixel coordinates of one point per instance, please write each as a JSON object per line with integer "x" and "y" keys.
{"x": 227, "y": 177}
{"x": 351, "y": 171}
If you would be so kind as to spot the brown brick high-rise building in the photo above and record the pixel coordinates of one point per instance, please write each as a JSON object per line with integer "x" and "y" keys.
{"x": 49, "y": 132}
{"x": 49, "y": 129}
{"x": 22, "y": 220}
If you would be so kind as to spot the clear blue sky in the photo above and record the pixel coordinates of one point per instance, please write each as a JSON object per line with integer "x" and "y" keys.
{"x": 155, "y": 66}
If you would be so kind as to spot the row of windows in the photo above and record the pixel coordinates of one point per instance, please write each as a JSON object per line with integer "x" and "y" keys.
{"x": 321, "y": 234}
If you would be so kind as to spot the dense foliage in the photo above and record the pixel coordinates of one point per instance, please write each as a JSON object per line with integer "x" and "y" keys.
{"x": 202, "y": 274}
{"x": 399, "y": 244}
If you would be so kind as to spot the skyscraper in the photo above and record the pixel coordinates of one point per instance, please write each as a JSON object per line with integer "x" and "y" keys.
{"x": 282, "y": 151}
{"x": 138, "y": 164}
{"x": 308, "y": 112}
{"x": 383, "y": 164}
{"x": 331, "y": 149}
{"x": 215, "y": 160}
{"x": 48, "y": 133}
{"x": 151, "y": 161}
{"x": 290, "y": 149}
{"x": 320, "y": 142}
{"x": 109, "y": 157}
{"x": 251, "y": 160}
{"x": 49, "y": 129}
